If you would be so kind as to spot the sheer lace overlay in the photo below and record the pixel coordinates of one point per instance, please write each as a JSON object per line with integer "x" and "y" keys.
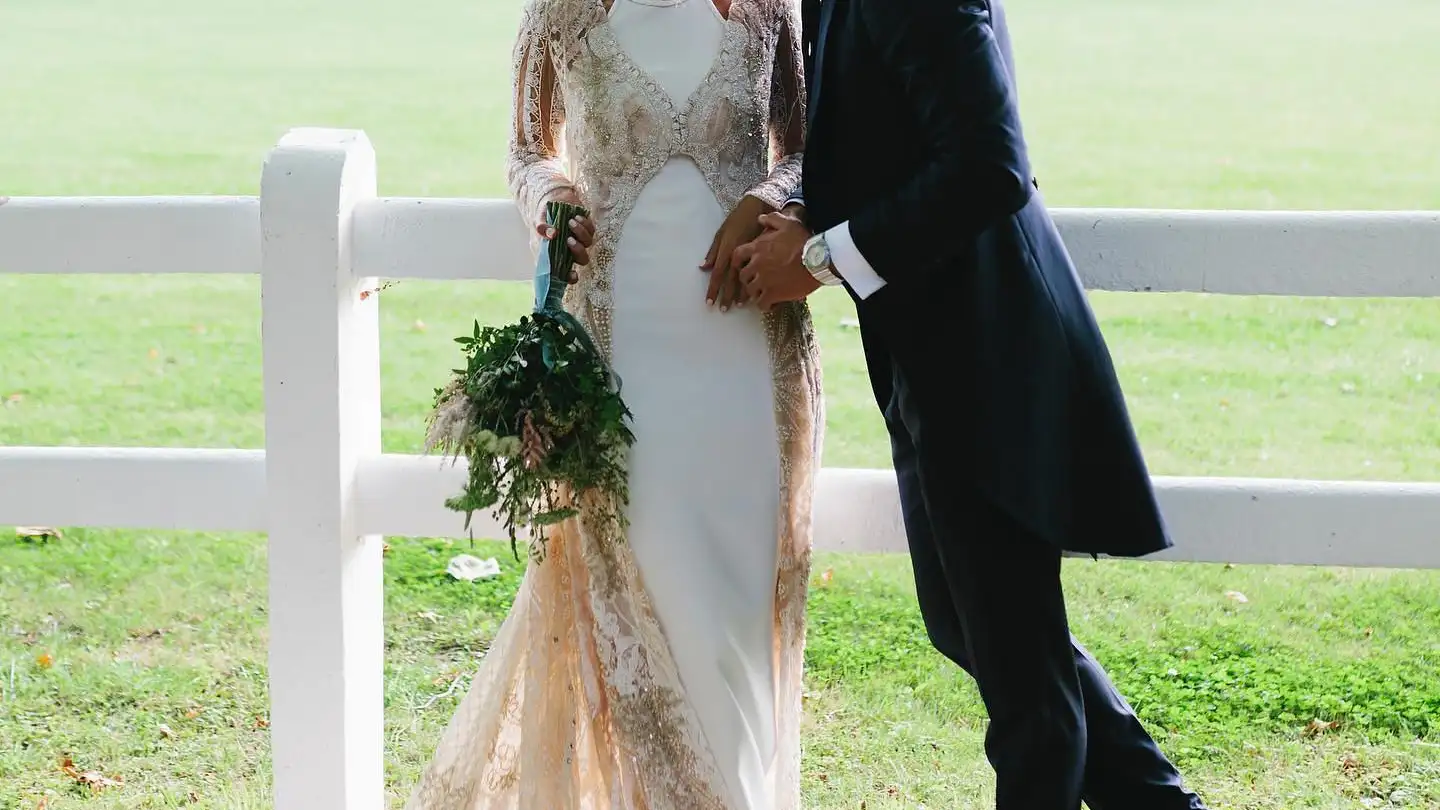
{"x": 579, "y": 705}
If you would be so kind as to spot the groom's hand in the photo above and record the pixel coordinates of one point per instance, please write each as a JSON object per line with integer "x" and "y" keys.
{"x": 770, "y": 266}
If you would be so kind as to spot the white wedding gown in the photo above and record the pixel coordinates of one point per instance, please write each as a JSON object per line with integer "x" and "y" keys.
{"x": 660, "y": 670}
{"x": 704, "y": 472}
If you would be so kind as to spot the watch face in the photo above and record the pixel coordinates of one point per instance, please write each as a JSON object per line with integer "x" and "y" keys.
{"x": 816, "y": 254}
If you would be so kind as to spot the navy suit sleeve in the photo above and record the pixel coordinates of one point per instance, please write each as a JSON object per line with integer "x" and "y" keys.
{"x": 946, "y": 60}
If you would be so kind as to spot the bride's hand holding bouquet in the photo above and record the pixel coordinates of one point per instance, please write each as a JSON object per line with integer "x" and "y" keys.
{"x": 582, "y": 231}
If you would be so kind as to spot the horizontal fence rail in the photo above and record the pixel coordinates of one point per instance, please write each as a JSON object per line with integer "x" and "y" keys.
{"x": 94, "y": 235}
{"x": 1309, "y": 253}
{"x": 318, "y": 235}
{"x": 1356, "y": 254}
{"x": 1230, "y": 520}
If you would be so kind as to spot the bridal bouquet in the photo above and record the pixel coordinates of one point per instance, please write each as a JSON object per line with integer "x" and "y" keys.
{"x": 536, "y": 410}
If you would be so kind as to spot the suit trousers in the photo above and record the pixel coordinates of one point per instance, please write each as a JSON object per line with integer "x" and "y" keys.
{"x": 992, "y": 601}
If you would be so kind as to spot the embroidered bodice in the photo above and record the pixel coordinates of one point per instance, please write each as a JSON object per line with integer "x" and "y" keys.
{"x": 588, "y": 119}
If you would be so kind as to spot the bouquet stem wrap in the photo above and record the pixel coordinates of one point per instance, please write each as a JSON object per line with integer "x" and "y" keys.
{"x": 550, "y": 284}
{"x": 536, "y": 411}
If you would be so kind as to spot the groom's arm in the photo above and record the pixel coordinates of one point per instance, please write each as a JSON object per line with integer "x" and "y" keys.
{"x": 947, "y": 62}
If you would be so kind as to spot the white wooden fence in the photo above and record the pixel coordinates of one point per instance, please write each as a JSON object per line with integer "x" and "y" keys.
{"x": 318, "y": 236}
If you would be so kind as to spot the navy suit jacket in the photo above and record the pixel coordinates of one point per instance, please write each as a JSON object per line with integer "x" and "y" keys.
{"x": 982, "y": 344}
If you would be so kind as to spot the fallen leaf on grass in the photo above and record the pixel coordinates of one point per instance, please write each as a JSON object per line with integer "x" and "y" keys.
{"x": 41, "y": 533}
{"x": 191, "y": 714}
{"x": 261, "y": 722}
{"x": 94, "y": 780}
{"x": 468, "y": 569}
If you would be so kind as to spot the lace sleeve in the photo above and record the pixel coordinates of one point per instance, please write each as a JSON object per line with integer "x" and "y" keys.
{"x": 787, "y": 111}
{"x": 536, "y": 166}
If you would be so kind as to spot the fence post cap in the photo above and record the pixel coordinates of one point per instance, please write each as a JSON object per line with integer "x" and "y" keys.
{"x": 323, "y": 138}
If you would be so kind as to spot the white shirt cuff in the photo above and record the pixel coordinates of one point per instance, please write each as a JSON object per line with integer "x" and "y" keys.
{"x": 850, "y": 264}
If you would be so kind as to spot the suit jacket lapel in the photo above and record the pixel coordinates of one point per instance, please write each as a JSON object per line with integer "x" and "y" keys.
{"x": 817, "y": 59}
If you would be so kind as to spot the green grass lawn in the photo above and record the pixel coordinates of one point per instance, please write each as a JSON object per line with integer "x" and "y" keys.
{"x": 142, "y": 654}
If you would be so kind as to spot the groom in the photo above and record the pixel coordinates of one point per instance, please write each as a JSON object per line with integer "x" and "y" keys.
{"x": 1009, "y": 432}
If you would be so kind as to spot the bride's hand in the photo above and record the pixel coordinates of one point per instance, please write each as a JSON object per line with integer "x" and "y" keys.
{"x": 581, "y": 239}
{"x": 742, "y": 226}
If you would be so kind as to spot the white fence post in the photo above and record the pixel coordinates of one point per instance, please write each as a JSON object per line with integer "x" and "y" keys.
{"x": 322, "y": 414}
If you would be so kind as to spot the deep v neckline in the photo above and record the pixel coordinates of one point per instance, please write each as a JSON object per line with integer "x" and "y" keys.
{"x": 677, "y": 109}
{"x": 608, "y": 6}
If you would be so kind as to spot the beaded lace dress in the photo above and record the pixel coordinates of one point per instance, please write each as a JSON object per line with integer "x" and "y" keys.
{"x": 659, "y": 667}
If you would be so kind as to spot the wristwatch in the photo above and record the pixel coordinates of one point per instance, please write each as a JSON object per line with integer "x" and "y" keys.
{"x": 816, "y": 258}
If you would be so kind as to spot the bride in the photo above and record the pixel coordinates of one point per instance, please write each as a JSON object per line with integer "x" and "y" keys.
{"x": 661, "y": 670}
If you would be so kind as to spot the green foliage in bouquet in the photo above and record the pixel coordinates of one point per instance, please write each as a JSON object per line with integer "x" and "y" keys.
{"x": 536, "y": 411}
